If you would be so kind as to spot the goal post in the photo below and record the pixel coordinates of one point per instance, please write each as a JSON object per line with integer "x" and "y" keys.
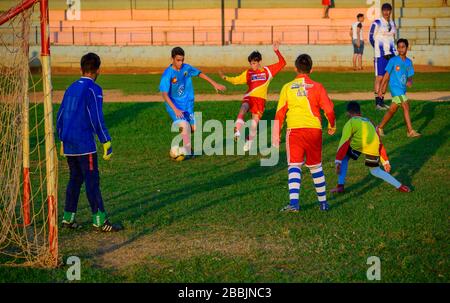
{"x": 28, "y": 160}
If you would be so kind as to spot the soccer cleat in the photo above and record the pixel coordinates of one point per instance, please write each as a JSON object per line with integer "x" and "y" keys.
{"x": 237, "y": 134}
{"x": 381, "y": 107}
{"x": 404, "y": 189}
{"x": 324, "y": 206}
{"x": 339, "y": 189}
{"x": 108, "y": 227}
{"x": 290, "y": 209}
{"x": 247, "y": 145}
{"x": 70, "y": 225}
{"x": 413, "y": 134}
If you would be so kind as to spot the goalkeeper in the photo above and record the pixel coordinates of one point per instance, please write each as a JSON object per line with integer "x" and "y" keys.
{"x": 79, "y": 118}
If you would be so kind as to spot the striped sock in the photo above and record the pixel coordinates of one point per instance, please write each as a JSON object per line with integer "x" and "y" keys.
{"x": 295, "y": 177}
{"x": 319, "y": 182}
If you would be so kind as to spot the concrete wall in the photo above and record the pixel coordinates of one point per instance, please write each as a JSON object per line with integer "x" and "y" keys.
{"x": 233, "y": 56}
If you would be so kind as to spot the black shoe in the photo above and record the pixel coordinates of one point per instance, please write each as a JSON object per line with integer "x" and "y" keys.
{"x": 71, "y": 225}
{"x": 108, "y": 227}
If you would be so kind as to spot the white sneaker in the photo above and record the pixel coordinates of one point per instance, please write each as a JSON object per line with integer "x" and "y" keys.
{"x": 237, "y": 134}
{"x": 247, "y": 145}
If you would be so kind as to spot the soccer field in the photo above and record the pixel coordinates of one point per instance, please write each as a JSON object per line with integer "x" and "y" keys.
{"x": 334, "y": 82}
{"x": 217, "y": 219}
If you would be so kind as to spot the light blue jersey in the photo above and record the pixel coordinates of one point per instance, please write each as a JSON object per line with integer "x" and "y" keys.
{"x": 178, "y": 85}
{"x": 399, "y": 71}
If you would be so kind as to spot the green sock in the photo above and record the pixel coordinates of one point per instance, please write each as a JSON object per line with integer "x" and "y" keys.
{"x": 69, "y": 217}
{"x": 99, "y": 218}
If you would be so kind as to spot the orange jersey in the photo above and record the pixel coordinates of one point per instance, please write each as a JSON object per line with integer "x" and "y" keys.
{"x": 258, "y": 81}
{"x": 300, "y": 103}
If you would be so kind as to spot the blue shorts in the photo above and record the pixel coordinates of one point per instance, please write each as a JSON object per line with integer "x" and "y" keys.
{"x": 380, "y": 65}
{"x": 360, "y": 49}
{"x": 188, "y": 116}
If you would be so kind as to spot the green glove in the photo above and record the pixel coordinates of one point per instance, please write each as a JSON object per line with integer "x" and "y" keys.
{"x": 107, "y": 150}
{"x": 61, "y": 150}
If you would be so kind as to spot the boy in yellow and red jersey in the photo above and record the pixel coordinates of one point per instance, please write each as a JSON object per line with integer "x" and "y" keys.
{"x": 300, "y": 103}
{"x": 258, "y": 79}
{"x": 360, "y": 137}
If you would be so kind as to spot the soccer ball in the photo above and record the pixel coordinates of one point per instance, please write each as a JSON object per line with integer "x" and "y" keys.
{"x": 177, "y": 153}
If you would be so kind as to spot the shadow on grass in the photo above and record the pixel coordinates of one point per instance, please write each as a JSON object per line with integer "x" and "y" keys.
{"x": 161, "y": 200}
{"x": 127, "y": 112}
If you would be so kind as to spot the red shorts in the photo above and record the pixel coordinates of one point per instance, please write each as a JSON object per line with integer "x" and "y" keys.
{"x": 304, "y": 142}
{"x": 256, "y": 105}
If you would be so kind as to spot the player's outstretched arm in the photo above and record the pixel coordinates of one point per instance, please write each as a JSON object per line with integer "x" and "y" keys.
{"x": 241, "y": 79}
{"x": 177, "y": 112}
{"x": 218, "y": 87}
{"x": 277, "y": 67}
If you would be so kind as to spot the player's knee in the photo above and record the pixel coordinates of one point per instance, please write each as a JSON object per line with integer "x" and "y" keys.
{"x": 373, "y": 170}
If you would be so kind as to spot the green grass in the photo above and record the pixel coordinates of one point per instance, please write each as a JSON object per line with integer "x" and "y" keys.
{"x": 216, "y": 218}
{"x": 333, "y": 82}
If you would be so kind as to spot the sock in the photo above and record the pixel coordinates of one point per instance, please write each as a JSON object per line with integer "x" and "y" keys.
{"x": 344, "y": 167}
{"x": 295, "y": 177}
{"x": 253, "y": 129}
{"x": 319, "y": 183}
{"x": 69, "y": 217}
{"x": 99, "y": 218}
{"x": 377, "y": 99}
{"x": 379, "y": 173}
{"x": 239, "y": 123}
{"x": 187, "y": 142}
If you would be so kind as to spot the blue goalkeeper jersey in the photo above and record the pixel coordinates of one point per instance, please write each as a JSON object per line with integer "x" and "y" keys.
{"x": 178, "y": 85}
{"x": 80, "y": 118}
{"x": 399, "y": 72}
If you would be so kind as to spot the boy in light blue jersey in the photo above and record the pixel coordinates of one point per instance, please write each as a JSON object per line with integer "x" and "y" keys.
{"x": 399, "y": 72}
{"x": 178, "y": 93}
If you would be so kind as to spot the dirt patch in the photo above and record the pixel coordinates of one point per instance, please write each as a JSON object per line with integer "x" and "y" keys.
{"x": 121, "y": 252}
{"x": 119, "y": 96}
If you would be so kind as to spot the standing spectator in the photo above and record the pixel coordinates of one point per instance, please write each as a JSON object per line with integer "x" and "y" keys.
{"x": 356, "y": 32}
{"x": 381, "y": 37}
{"x": 327, "y": 5}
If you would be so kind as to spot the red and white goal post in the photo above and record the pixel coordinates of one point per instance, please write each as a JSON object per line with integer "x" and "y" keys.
{"x": 28, "y": 158}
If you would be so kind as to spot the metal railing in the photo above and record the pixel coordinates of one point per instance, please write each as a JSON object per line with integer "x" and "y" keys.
{"x": 212, "y": 35}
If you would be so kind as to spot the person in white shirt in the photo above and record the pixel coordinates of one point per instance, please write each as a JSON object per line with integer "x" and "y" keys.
{"x": 356, "y": 32}
{"x": 382, "y": 39}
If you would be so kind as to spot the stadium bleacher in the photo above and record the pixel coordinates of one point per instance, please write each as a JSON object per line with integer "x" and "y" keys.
{"x": 187, "y": 22}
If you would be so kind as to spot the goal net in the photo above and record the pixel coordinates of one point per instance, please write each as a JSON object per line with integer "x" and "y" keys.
{"x": 28, "y": 167}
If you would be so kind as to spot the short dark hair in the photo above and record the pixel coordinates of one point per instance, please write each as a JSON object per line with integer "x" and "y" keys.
{"x": 353, "y": 107}
{"x": 255, "y": 56}
{"x": 90, "y": 63}
{"x": 359, "y": 16}
{"x": 304, "y": 63}
{"x": 403, "y": 40}
{"x": 177, "y": 51}
{"x": 386, "y": 7}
